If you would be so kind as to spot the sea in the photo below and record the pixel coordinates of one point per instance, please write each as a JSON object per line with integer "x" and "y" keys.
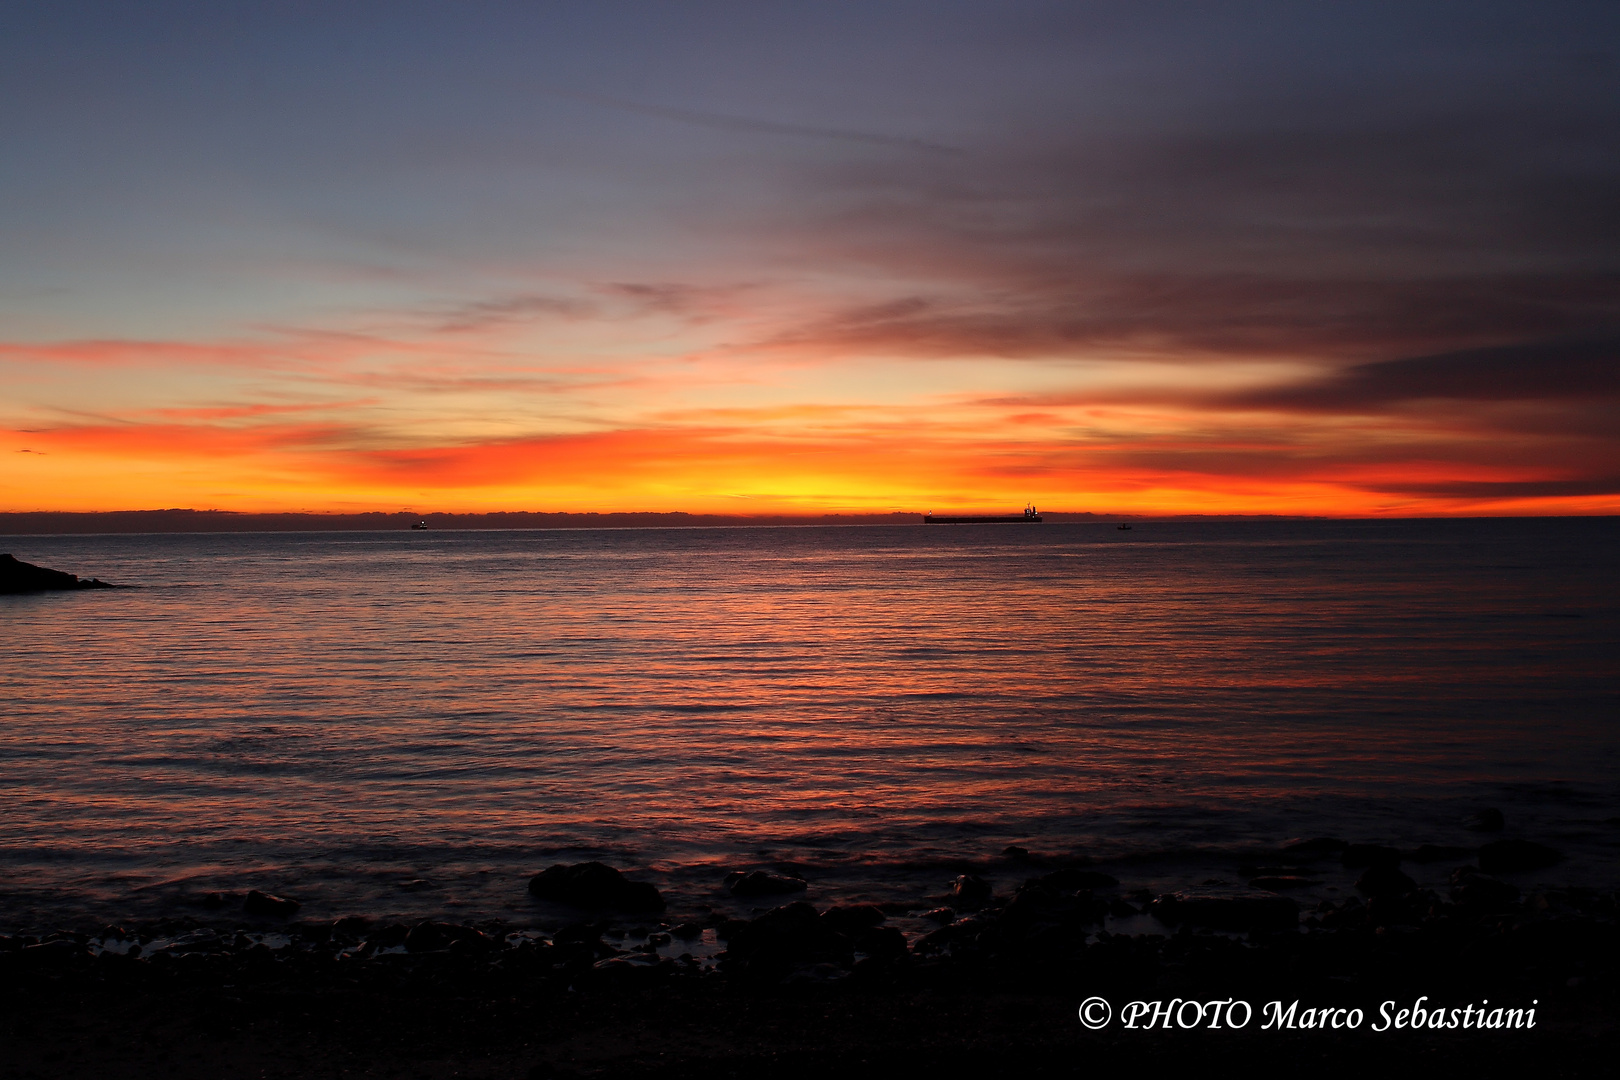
{"x": 409, "y": 724}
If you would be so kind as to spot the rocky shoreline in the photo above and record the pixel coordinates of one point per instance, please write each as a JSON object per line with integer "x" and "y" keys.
{"x": 595, "y": 984}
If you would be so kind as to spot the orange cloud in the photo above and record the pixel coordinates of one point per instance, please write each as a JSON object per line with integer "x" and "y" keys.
{"x": 277, "y": 465}
{"x": 483, "y": 424}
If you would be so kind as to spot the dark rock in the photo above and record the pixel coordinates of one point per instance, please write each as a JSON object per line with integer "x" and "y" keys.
{"x": 880, "y": 941}
{"x": 579, "y": 933}
{"x": 1069, "y": 880}
{"x": 851, "y": 918}
{"x": 760, "y": 883}
{"x": 630, "y": 970}
{"x": 352, "y": 924}
{"x": 793, "y": 933}
{"x": 387, "y": 937}
{"x": 1226, "y": 909}
{"x": 1032, "y": 903}
{"x": 815, "y": 975}
{"x": 427, "y": 937}
{"x": 1487, "y": 820}
{"x": 970, "y": 890}
{"x": 259, "y": 903}
{"x": 1431, "y": 853}
{"x": 1280, "y": 882}
{"x": 940, "y": 915}
{"x": 1482, "y": 892}
{"x": 1317, "y": 847}
{"x": 1383, "y": 879}
{"x": 1016, "y": 853}
{"x": 595, "y": 886}
{"x": 50, "y": 953}
{"x": 1120, "y": 909}
{"x": 20, "y": 577}
{"x": 935, "y": 940}
{"x": 687, "y": 931}
{"x": 1395, "y": 909}
{"x": 1357, "y": 855}
{"x": 1506, "y": 856}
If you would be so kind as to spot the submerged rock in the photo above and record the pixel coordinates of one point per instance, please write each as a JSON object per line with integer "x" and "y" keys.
{"x": 791, "y": 933}
{"x": 594, "y": 885}
{"x": 1501, "y": 856}
{"x": 1488, "y": 820}
{"x": 1429, "y": 853}
{"x": 761, "y": 883}
{"x": 1482, "y": 892}
{"x": 260, "y": 903}
{"x": 427, "y": 936}
{"x": 970, "y": 889}
{"x": 1071, "y": 880}
{"x": 20, "y": 577}
{"x": 1279, "y": 882}
{"x": 853, "y": 918}
{"x": 1226, "y": 909}
{"x": 1357, "y": 855}
{"x": 1383, "y": 879}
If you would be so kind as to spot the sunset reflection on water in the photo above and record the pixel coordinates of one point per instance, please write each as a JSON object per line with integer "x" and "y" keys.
{"x": 349, "y": 711}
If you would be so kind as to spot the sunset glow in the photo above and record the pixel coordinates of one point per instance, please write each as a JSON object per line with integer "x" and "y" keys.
{"x": 626, "y": 265}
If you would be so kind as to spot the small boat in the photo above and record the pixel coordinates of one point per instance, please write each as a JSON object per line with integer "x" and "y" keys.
{"x": 1122, "y": 526}
{"x": 1030, "y": 516}
{"x": 420, "y": 525}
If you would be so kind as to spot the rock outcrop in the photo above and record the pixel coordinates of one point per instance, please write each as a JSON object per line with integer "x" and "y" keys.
{"x": 594, "y": 886}
{"x": 20, "y": 577}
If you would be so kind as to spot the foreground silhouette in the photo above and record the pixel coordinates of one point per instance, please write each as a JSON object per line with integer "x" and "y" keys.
{"x": 21, "y": 577}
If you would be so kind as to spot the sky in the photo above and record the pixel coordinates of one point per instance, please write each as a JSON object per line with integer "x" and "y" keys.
{"x": 762, "y": 258}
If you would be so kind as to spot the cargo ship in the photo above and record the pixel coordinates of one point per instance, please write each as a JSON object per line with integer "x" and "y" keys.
{"x": 1029, "y": 517}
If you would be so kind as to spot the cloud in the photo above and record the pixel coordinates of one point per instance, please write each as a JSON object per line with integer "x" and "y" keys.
{"x": 1368, "y": 230}
{"x": 1579, "y": 371}
{"x": 1194, "y": 318}
{"x": 1493, "y": 490}
{"x": 485, "y": 314}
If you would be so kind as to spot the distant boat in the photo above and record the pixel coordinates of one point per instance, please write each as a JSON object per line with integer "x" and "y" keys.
{"x": 1028, "y": 517}
{"x": 420, "y": 525}
{"x": 1123, "y": 526}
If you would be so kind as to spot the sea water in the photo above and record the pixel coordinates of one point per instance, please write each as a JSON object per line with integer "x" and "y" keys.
{"x": 411, "y": 723}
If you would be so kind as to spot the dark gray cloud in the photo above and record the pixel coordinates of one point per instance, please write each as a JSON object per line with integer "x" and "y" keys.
{"x": 1357, "y": 226}
{"x": 1224, "y": 316}
{"x": 1579, "y": 370}
{"x": 1507, "y": 489}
